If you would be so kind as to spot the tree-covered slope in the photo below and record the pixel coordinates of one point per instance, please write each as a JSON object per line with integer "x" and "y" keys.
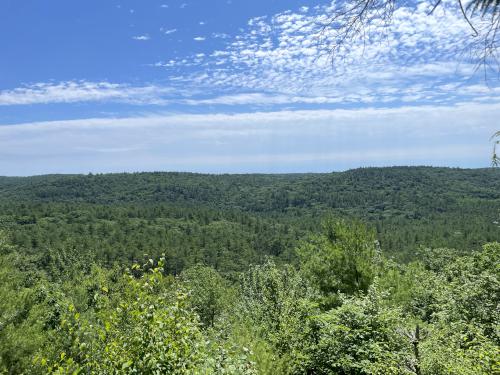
{"x": 398, "y": 188}
{"x": 229, "y": 221}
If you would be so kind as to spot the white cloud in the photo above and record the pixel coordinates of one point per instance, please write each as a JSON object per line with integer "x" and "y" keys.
{"x": 168, "y": 31}
{"x": 221, "y": 35}
{"x": 260, "y": 99}
{"x": 141, "y": 37}
{"x": 319, "y": 140}
{"x": 82, "y": 91}
{"x": 415, "y": 59}
{"x": 275, "y": 62}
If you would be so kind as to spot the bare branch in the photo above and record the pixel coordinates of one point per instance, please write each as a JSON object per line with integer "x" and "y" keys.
{"x": 467, "y": 18}
{"x": 435, "y": 6}
{"x": 348, "y": 24}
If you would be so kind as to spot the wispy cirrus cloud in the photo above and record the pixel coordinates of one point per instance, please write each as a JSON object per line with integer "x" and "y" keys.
{"x": 278, "y": 141}
{"x": 141, "y": 37}
{"x": 168, "y": 31}
{"x": 83, "y": 91}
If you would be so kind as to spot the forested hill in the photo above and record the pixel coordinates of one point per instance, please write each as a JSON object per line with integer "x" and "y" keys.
{"x": 408, "y": 190}
{"x": 229, "y": 221}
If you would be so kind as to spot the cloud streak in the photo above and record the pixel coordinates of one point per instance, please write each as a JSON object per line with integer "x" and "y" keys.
{"x": 83, "y": 91}
{"x": 141, "y": 37}
{"x": 282, "y": 141}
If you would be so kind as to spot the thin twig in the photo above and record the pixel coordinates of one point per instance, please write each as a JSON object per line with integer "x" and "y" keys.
{"x": 467, "y": 18}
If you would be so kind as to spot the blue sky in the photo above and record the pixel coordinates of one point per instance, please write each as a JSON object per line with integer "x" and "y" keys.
{"x": 234, "y": 86}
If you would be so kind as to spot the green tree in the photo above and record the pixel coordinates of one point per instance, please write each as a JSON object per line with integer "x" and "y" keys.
{"x": 274, "y": 304}
{"x": 148, "y": 329}
{"x": 359, "y": 337}
{"x": 343, "y": 259}
{"x": 209, "y": 293}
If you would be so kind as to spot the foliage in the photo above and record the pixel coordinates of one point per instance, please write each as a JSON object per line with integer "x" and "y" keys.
{"x": 460, "y": 349}
{"x": 472, "y": 293}
{"x": 251, "y": 282}
{"x": 150, "y": 331}
{"x": 359, "y": 337}
{"x": 20, "y": 327}
{"x": 210, "y": 293}
{"x": 276, "y": 301}
{"x": 230, "y": 221}
{"x": 496, "y": 141}
{"x": 343, "y": 259}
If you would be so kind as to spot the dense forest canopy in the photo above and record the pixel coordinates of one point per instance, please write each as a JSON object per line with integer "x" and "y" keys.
{"x": 368, "y": 271}
{"x": 229, "y": 221}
